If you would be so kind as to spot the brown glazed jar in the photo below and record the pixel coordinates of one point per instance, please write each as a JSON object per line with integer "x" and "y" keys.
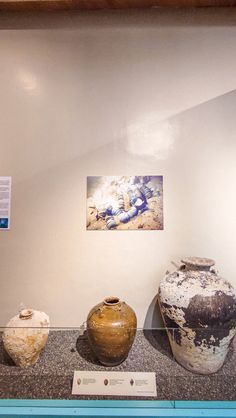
{"x": 111, "y": 328}
{"x": 199, "y": 312}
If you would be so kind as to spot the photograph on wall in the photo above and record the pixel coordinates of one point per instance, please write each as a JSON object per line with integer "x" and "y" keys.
{"x": 125, "y": 202}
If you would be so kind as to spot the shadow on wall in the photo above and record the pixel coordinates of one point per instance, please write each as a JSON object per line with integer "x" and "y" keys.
{"x": 153, "y": 319}
{"x": 154, "y": 330}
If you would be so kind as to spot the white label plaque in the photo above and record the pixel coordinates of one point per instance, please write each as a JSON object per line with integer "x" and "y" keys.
{"x": 114, "y": 383}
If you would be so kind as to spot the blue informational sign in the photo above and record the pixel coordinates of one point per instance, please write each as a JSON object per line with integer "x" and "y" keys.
{"x": 4, "y": 222}
{"x": 5, "y": 202}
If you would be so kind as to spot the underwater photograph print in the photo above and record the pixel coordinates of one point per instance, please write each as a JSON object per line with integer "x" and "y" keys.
{"x": 125, "y": 203}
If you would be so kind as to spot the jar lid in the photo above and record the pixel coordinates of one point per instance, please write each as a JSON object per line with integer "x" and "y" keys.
{"x": 198, "y": 262}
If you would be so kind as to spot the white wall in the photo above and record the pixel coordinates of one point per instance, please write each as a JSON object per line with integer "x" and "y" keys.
{"x": 114, "y": 94}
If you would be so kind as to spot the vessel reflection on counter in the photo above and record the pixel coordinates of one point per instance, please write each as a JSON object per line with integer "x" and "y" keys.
{"x": 111, "y": 328}
{"x": 25, "y": 336}
{"x": 199, "y": 311}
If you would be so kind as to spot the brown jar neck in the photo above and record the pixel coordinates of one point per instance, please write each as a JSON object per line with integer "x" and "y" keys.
{"x": 26, "y": 314}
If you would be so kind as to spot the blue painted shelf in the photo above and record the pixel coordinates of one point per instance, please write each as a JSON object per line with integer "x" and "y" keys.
{"x": 10, "y": 408}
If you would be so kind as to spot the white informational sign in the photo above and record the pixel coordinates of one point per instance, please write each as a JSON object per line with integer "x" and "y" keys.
{"x": 114, "y": 383}
{"x": 5, "y": 202}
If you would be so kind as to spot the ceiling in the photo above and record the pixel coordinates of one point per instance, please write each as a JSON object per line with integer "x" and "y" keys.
{"x": 107, "y": 4}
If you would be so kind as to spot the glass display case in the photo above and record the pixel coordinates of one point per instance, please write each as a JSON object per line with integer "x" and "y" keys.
{"x": 67, "y": 351}
{"x": 117, "y": 160}
{"x": 110, "y": 361}
{"x": 46, "y": 386}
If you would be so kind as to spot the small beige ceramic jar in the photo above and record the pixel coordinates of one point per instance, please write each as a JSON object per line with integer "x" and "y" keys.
{"x": 25, "y": 336}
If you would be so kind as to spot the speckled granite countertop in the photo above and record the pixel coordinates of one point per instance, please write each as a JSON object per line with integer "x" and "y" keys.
{"x": 51, "y": 377}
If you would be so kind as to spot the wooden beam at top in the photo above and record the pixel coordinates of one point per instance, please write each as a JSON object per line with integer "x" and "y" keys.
{"x": 107, "y": 4}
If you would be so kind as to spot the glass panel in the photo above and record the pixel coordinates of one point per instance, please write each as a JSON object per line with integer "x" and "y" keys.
{"x": 68, "y": 349}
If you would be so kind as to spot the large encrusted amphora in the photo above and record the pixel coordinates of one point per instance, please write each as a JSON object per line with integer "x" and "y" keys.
{"x": 199, "y": 312}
